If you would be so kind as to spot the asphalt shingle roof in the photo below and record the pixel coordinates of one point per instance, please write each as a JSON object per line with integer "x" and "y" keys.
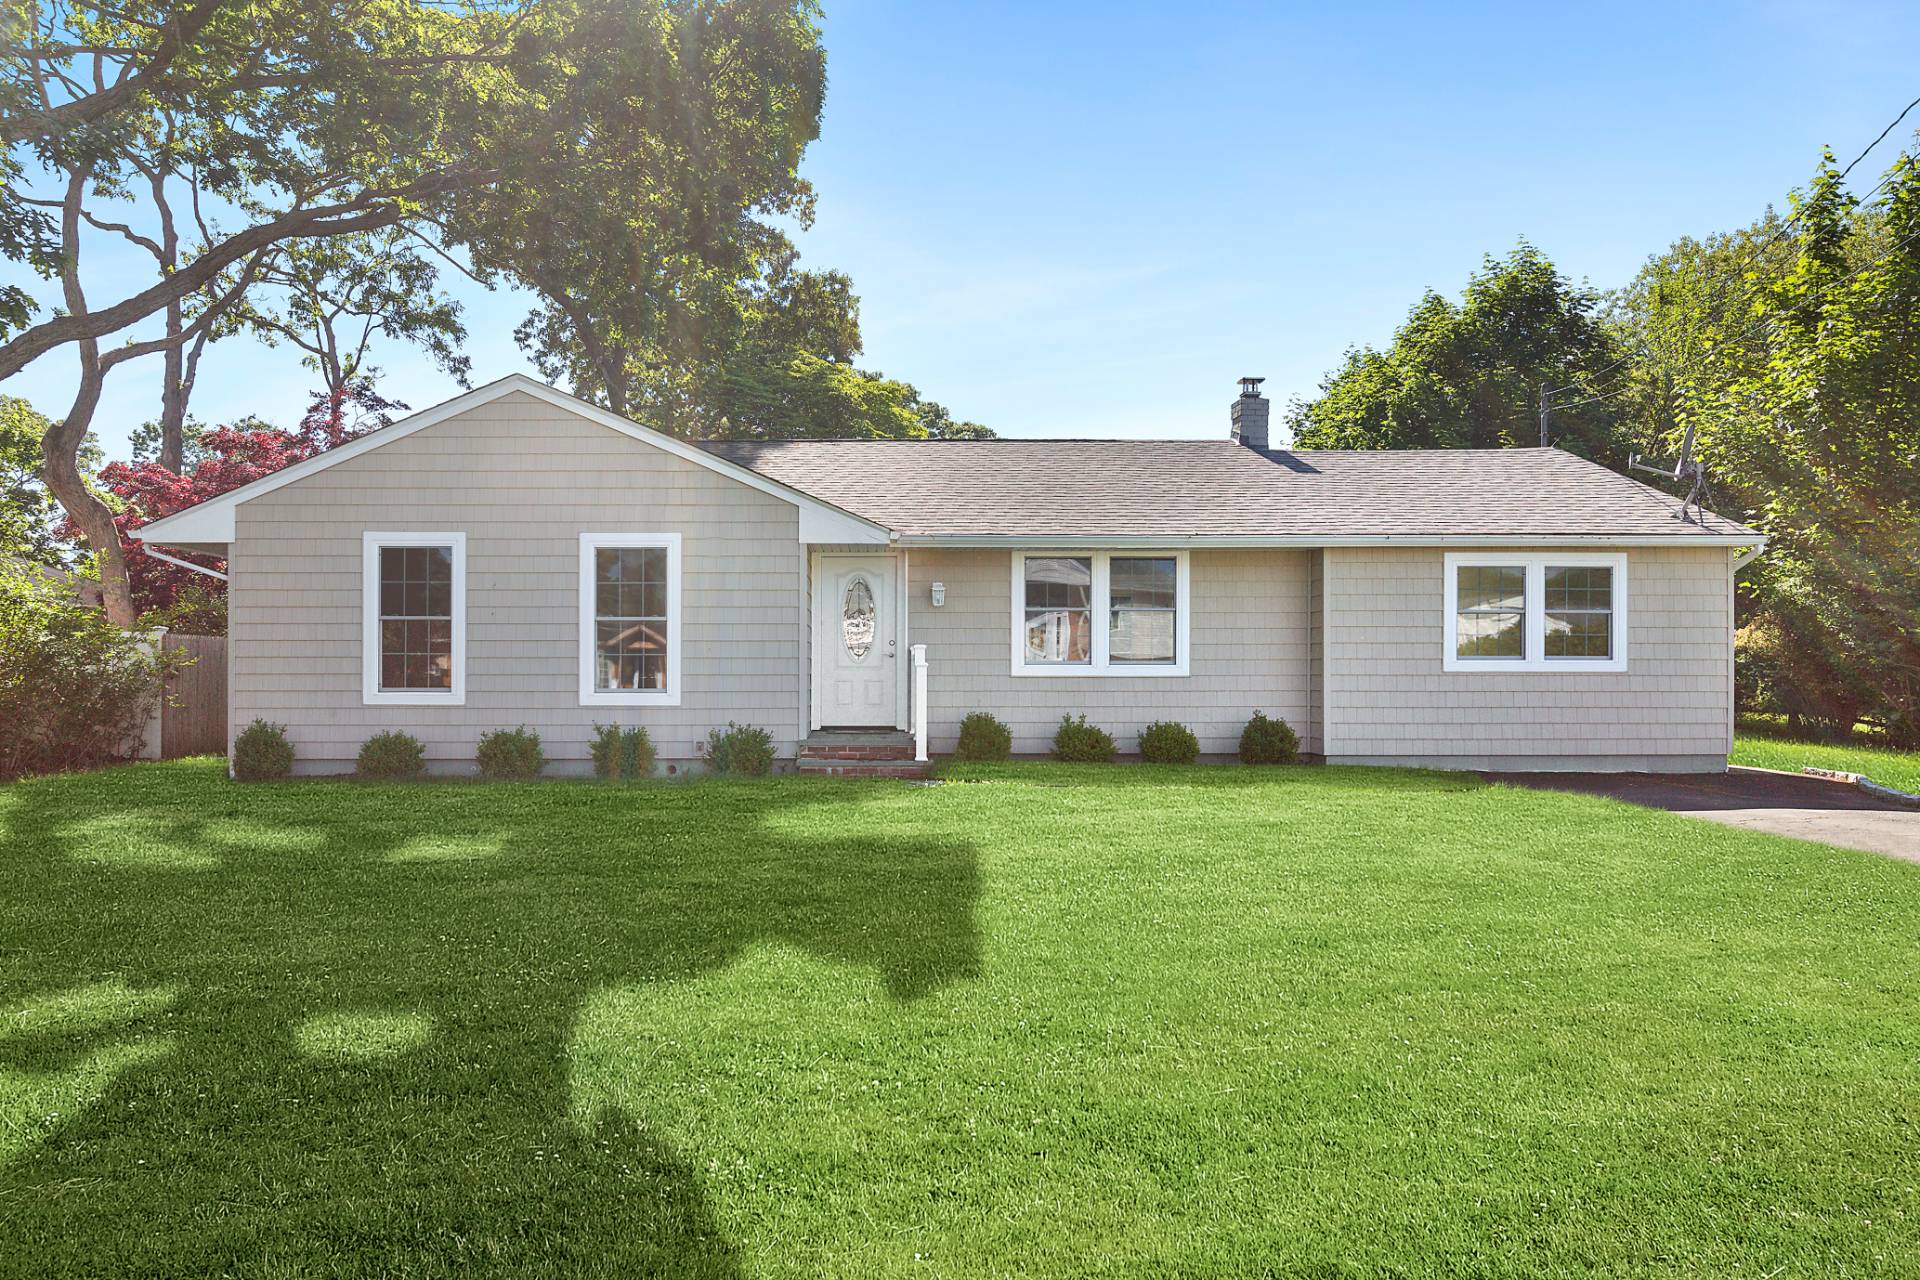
{"x": 1215, "y": 489}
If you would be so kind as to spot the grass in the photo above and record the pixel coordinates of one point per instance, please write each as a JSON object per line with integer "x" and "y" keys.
{"x": 1050, "y": 1022}
{"x": 1888, "y": 767}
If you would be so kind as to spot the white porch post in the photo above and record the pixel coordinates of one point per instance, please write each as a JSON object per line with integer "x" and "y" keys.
{"x": 919, "y": 652}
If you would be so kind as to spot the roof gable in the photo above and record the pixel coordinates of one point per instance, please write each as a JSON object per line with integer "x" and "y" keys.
{"x": 212, "y": 522}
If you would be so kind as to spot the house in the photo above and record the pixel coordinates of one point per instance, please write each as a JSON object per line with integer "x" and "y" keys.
{"x": 516, "y": 556}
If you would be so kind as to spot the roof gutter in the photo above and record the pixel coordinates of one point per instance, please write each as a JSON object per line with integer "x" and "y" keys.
{"x": 1752, "y": 541}
{"x": 149, "y": 549}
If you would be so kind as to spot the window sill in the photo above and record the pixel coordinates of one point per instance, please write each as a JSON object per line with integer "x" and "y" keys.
{"x": 630, "y": 698}
{"x": 1109, "y": 672}
{"x": 411, "y": 698}
{"x": 1536, "y": 666}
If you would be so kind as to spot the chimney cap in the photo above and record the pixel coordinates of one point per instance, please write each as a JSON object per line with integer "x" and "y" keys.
{"x": 1251, "y": 386}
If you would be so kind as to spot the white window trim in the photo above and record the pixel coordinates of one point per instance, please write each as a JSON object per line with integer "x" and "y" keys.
{"x": 592, "y": 696}
{"x": 371, "y": 694}
{"x": 1101, "y": 665}
{"x": 1536, "y": 564}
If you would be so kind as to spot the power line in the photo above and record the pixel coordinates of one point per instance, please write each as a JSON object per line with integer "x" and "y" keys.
{"x": 1830, "y": 286}
{"x": 1738, "y": 272}
{"x": 1787, "y": 223}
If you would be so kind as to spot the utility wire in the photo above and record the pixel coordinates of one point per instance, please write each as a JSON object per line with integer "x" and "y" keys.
{"x": 1742, "y": 267}
{"x": 1787, "y": 224}
{"x": 1754, "y": 256}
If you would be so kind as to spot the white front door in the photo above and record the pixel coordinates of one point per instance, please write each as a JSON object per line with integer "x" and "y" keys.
{"x": 858, "y": 661}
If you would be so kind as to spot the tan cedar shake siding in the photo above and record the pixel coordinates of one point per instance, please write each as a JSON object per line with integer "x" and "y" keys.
{"x": 1248, "y": 631}
{"x": 523, "y": 480}
{"x": 1388, "y": 701}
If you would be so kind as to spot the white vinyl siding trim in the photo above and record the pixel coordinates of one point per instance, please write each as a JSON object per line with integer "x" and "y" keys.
{"x": 371, "y": 694}
{"x": 1535, "y": 565}
{"x": 591, "y": 695}
{"x": 1101, "y": 663}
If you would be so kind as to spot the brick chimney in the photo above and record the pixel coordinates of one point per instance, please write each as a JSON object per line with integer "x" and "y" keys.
{"x": 1249, "y": 414}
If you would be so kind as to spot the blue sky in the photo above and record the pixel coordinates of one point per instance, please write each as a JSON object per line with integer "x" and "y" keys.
{"x": 1090, "y": 220}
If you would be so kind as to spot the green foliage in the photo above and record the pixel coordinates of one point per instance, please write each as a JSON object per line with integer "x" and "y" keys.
{"x": 739, "y": 749}
{"x": 1168, "y": 742}
{"x": 334, "y": 296}
{"x": 510, "y": 755}
{"x": 1078, "y": 742}
{"x": 262, "y": 753}
{"x": 983, "y": 737}
{"x": 29, "y": 518}
{"x": 195, "y": 611}
{"x": 1469, "y": 374}
{"x": 1820, "y": 445}
{"x": 75, "y": 691}
{"x": 621, "y": 755}
{"x": 390, "y": 756}
{"x": 1268, "y": 740}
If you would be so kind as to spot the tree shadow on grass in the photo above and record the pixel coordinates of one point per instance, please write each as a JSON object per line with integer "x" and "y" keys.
{"x": 323, "y": 1029}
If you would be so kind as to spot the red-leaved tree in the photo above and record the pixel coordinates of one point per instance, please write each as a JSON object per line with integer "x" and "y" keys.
{"x": 229, "y": 457}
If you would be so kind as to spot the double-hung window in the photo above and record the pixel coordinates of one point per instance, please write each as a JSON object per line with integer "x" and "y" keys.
{"x": 1536, "y": 611}
{"x": 1100, "y": 613}
{"x": 414, "y": 618}
{"x": 630, "y": 619}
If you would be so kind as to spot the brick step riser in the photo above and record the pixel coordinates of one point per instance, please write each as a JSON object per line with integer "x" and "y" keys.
{"x": 856, "y": 753}
{"x": 857, "y": 770}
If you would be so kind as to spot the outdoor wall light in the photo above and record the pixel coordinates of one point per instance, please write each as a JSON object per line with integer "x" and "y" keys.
{"x": 939, "y": 594}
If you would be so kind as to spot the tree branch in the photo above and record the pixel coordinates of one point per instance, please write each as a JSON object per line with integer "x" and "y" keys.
{"x": 52, "y": 122}
{"x": 369, "y": 211}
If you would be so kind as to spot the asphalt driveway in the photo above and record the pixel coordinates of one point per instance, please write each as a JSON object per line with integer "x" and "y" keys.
{"x": 1786, "y": 804}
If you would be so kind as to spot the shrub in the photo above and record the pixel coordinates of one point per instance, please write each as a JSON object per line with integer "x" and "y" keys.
{"x": 391, "y": 755}
{"x": 76, "y": 692}
{"x": 739, "y": 749}
{"x": 510, "y": 755}
{"x": 1168, "y": 742}
{"x": 262, "y": 753}
{"x": 1268, "y": 741}
{"x": 621, "y": 755}
{"x": 982, "y": 737}
{"x": 1078, "y": 742}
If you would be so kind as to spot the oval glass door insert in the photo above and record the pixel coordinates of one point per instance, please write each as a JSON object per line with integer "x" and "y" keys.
{"x": 856, "y": 618}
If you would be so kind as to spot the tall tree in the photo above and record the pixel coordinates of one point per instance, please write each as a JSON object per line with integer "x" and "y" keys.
{"x": 330, "y": 299}
{"x": 1819, "y": 443}
{"x": 676, "y": 125}
{"x": 1470, "y": 374}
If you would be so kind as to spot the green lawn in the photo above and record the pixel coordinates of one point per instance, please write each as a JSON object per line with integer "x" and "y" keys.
{"x": 1898, "y": 769}
{"x": 1049, "y": 1022}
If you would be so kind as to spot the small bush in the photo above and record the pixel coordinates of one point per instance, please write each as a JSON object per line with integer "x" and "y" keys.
{"x": 262, "y": 753}
{"x": 621, "y": 755}
{"x": 1268, "y": 741}
{"x": 982, "y": 737}
{"x": 510, "y": 755}
{"x": 739, "y": 749}
{"x": 1078, "y": 742}
{"x": 391, "y": 755}
{"x": 76, "y": 692}
{"x": 1168, "y": 742}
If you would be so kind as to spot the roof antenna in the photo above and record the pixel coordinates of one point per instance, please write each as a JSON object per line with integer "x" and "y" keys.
{"x": 1689, "y": 468}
